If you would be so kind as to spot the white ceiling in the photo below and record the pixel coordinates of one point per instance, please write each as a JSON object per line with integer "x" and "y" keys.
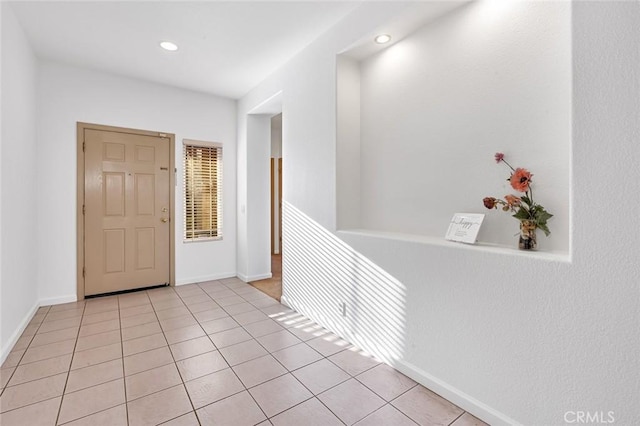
{"x": 226, "y": 48}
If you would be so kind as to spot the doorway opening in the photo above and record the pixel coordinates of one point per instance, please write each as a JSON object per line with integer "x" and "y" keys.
{"x": 273, "y": 285}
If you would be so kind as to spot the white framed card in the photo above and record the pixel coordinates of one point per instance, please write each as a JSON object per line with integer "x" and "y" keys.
{"x": 464, "y": 227}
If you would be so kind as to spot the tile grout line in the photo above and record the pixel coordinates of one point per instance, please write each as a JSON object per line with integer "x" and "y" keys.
{"x": 42, "y": 377}
{"x": 456, "y": 419}
{"x": 15, "y": 368}
{"x": 91, "y": 414}
{"x": 28, "y": 405}
{"x": 203, "y": 292}
{"x": 236, "y": 374}
{"x": 380, "y": 396}
{"x": 175, "y": 364}
{"x": 354, "y": 377}
{"x": 124, "y": 376}
{"x": 287, "y": 371}
{"x": 215, "y": 346}
{"x": 325, "y": 357}
{"x": 84, "y": 307}
{"x": 43, "y": 359}
{"x": 313, "y": 395}
{"x": 326, "y": 390}
{"x": 394, "y": 407}
{"x": 246, "y": 389}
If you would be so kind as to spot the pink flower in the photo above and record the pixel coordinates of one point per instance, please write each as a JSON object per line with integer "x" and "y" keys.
{"x": 499, "y": 157}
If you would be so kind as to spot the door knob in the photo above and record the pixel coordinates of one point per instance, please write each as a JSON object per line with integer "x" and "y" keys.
{"x": 164, "y": 220}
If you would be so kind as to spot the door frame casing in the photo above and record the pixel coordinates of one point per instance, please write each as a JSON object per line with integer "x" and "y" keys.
{"x": 81, "y": 127}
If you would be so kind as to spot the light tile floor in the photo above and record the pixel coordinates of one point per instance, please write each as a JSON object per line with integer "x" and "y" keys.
{"x": 214, "y": 353}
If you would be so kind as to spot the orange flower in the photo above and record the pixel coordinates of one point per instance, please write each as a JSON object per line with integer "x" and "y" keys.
{"x": 520, "y": 180}
{"x": 512, "y": 200}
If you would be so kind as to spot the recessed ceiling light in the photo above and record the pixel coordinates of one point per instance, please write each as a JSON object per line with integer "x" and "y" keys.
{"x": 382, "y": 39}
{"x": 167, "y": 45}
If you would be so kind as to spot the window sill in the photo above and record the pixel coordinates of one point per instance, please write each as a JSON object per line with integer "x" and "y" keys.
{"x": 201, "y": 240}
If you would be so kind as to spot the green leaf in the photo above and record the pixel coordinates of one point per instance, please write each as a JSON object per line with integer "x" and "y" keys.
{"x": 544, "y": 228}
{"x": 542, "y": 216}
{"x": 522, "y": 214}
{"x": 525, "y": 199}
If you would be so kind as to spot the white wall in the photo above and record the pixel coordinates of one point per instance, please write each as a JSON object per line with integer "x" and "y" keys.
{"x": 68, "y": 95}
{"x": 258, "y": 202}
{"x": 253, "y": 191}
{"x": 2, "y": 340}
{"x": 437, "y": 105}
{"x": 309, "y": 183}
{"x": 512, "y": 338}
{"x": 18, "y": 289}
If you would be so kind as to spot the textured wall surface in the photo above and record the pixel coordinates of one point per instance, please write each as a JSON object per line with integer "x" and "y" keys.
{"x": 512, "y": 338}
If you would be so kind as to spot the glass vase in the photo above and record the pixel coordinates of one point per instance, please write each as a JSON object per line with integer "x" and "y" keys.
{"x": 528, "y": 239}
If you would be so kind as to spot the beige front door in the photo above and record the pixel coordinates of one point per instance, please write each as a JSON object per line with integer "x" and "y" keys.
{"x": 127, "y": 211}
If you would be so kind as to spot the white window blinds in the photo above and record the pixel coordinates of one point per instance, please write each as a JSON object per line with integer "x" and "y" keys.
{"x": 202, "y": 190}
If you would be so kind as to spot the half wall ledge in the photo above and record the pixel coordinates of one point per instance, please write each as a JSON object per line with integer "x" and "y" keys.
{"x": 549, "y": 256}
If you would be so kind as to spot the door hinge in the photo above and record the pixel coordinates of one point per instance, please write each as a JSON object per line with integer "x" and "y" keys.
{"x": 84, "y": 209}
{"x": 84, "y": 272}
{"x": 84, "y": 146}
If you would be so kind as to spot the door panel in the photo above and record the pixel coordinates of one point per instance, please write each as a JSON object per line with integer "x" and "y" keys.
{"x": 145, "y": 248}
{"x": 113, "y": 151}
{"x": 145, "y": 194}
{"x": 114, "y": 250}
{"x": 127, "y": 199}
{"x": 113, "y": 189}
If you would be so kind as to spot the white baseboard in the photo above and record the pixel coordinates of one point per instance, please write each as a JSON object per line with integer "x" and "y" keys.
{"x": 251, "y": 278}
{"x": 284, "y": 301}
{"x": 461, "y": 399}
{"x": 201, "y": 279}
{"x": 25, "y": 321}
{"x": 58, "y": 300}
{"x": 16, "y": 334}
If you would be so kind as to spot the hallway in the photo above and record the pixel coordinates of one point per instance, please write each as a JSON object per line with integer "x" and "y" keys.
{"x": 218, "y": 352}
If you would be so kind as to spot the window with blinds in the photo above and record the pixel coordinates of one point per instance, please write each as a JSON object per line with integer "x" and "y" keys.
{"x": 202, "y": 190}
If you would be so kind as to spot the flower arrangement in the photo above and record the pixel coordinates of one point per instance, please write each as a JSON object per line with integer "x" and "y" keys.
{"x": 530, "y": 214}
